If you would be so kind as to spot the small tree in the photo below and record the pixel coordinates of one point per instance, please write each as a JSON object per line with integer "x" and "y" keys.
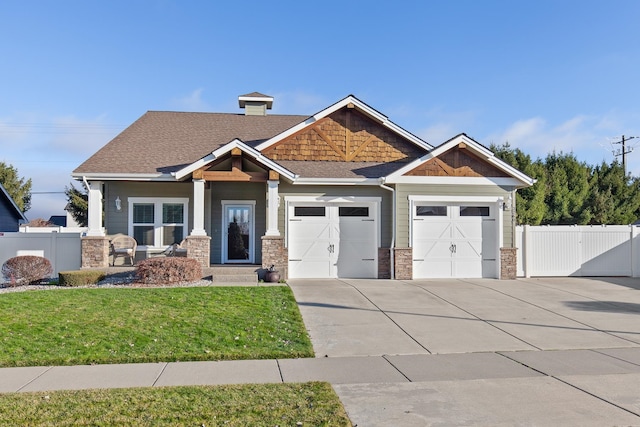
{"x": 18, "y": 188}
{"x": 77, "y": 204}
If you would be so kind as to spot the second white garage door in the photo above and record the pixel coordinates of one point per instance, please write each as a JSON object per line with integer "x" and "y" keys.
{"x": 329, "y": 240}
{"x": 452, "y": 240}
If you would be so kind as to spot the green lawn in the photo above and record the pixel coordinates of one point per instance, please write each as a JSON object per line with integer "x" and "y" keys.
{"x": 312, "y": 404}
{"x": 85, "y": 326}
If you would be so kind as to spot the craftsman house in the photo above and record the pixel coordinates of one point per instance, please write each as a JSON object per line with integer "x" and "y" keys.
{"x": 342, "y": 193}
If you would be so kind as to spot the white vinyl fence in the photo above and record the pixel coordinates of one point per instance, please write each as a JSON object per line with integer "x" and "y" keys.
{"x": 63, "y": 250}
{"x": 571, "y": 250}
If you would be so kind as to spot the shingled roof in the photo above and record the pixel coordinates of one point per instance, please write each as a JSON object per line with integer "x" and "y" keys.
{"x": 164, "y": 142}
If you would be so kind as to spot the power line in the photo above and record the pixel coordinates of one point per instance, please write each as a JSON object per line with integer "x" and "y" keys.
{"x": 623, "y": 151}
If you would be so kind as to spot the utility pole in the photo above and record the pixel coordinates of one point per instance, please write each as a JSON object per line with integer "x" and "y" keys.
{"x": 623, "y": 151}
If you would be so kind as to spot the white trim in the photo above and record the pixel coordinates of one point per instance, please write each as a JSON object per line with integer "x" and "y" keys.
{"x": 362, "y": 107}
{"x": 252, "y": 237}
{"x": 337, "y": 181}
{"x": 236, "y": 143}
{"x": 456, "y": 180}
{"x": 456, "y": 199}
{"x": 157, "y": 217}
{"x": 124, "y": 176}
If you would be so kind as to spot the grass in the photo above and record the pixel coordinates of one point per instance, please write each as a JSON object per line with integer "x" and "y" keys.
{"x": 94, "y": 326}
{"x": 312, "y": 404}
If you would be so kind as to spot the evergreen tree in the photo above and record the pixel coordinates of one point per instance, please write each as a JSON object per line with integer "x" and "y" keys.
{"x": 18, "y": 188}
{"x": 77, "y": 205}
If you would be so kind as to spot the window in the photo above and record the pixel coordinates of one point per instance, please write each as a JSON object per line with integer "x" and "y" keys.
{"x": 353, "y": 211}
{"x": 309, "y": 211}
{"x": 474, "y": 210}
{"x": 431, "y": 211}
{"x": 158, "y": 222}
{"x": 143, "y": 218}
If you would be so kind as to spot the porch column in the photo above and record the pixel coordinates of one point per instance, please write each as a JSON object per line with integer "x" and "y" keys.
{"x": 94, "y": 217}
{"x": 198, "y": 208}
{"x": 272, "y": 202}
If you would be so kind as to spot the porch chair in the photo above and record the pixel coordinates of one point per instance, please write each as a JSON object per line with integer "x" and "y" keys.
{"x": 123, "y": 246}
{"x": 179, "y": 249}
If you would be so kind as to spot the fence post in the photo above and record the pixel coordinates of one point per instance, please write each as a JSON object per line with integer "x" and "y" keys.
{"x": 526, "y": 252}
{"x": 635, "y": 268}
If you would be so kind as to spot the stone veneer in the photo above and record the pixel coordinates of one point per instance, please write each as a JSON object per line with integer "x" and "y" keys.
{"x": 94, "y": 252}
{"x": 274, "y": 253}
{"x": 199, "y": 248}
{"x": 403, "y": 258}
{"x": 384, "y": 263}
{"x": 508, "y": 263}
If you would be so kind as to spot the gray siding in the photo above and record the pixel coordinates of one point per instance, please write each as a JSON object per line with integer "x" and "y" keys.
{"x": 286, "y": 189}
{"x": 9, "y": 219}
{"x": 117, "y": 221}
{"x": 405, "y": 190}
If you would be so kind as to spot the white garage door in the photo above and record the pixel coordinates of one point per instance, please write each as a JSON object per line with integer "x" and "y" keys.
{"x": 454, "y": 241}
{"x": 332, "y": 240}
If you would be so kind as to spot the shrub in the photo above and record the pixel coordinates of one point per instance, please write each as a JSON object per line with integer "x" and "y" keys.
{"x": 159, "y": 271}
{"x": 80, "y": 277}
{"x": 26, "y": 270}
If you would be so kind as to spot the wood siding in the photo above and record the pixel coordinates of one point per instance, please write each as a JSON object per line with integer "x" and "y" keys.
{"x": 405, "y": 190}
{"x": 457, "y": 162}
{"x": 344, "y": 136}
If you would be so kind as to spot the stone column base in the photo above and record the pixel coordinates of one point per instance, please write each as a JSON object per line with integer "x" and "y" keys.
{"x": 94, "y": 252}
{"x": 274, "y": 253}
{"x": 384, "y": 263}
{"x": 403, "y": 259}
{"x": 508, "y": 263}
{"x": 199, "y": 248}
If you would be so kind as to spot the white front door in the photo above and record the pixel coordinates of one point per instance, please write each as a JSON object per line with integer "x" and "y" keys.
{"x": 328, "y": 240}
{"x": 238, "y": 236}
{"x": 454, "y": 240}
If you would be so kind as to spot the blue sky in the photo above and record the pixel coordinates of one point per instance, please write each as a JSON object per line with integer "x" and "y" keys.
{"x": 543, "y": 75}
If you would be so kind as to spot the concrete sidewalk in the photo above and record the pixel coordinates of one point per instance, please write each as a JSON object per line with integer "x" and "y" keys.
{"x": 567, "y": 387}
{"x": 435, "y": 352}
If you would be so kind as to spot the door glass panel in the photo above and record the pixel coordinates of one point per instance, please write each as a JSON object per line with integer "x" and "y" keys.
{"x": 309, "y": 211}
{"x": 238, "y": 232}
{"x": 431, "y": 210}
{"x": 474, "y": 210}
{"x": 353, "y": 211}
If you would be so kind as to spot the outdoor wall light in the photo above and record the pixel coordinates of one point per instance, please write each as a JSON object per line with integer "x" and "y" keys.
{"x": 118, "y": 204}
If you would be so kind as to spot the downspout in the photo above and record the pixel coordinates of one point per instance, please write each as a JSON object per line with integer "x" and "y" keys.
{"x": 392, "y": 266}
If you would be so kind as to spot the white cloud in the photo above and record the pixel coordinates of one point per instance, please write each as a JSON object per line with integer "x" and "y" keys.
{"x": 192, "y": 102}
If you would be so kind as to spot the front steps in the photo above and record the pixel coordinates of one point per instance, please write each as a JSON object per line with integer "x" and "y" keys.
{"x": 230, "y": 273}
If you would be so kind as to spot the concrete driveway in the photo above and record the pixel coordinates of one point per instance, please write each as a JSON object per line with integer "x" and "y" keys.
{"x": 552, "y": 351}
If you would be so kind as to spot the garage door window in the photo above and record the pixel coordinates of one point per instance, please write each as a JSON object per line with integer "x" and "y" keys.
{"x": 362, "y": 211}
{"x": 309, "y": 211}
{"x": 431, "y": 210}
{"x": 474, "y": 210}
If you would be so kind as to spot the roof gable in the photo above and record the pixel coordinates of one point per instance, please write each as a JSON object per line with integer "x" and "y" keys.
{"x": 11, "y": 204}
{"x": 460, "y": 157}
{"x": 352, "y": 103}
{"x": 345, "y": 135}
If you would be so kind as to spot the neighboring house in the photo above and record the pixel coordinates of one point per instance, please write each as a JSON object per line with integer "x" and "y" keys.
{"x": 342, "y": 193}
{"x": 10, "y": 213}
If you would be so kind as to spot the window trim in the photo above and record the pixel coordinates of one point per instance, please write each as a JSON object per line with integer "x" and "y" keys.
{"x": 158, "y": 224}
